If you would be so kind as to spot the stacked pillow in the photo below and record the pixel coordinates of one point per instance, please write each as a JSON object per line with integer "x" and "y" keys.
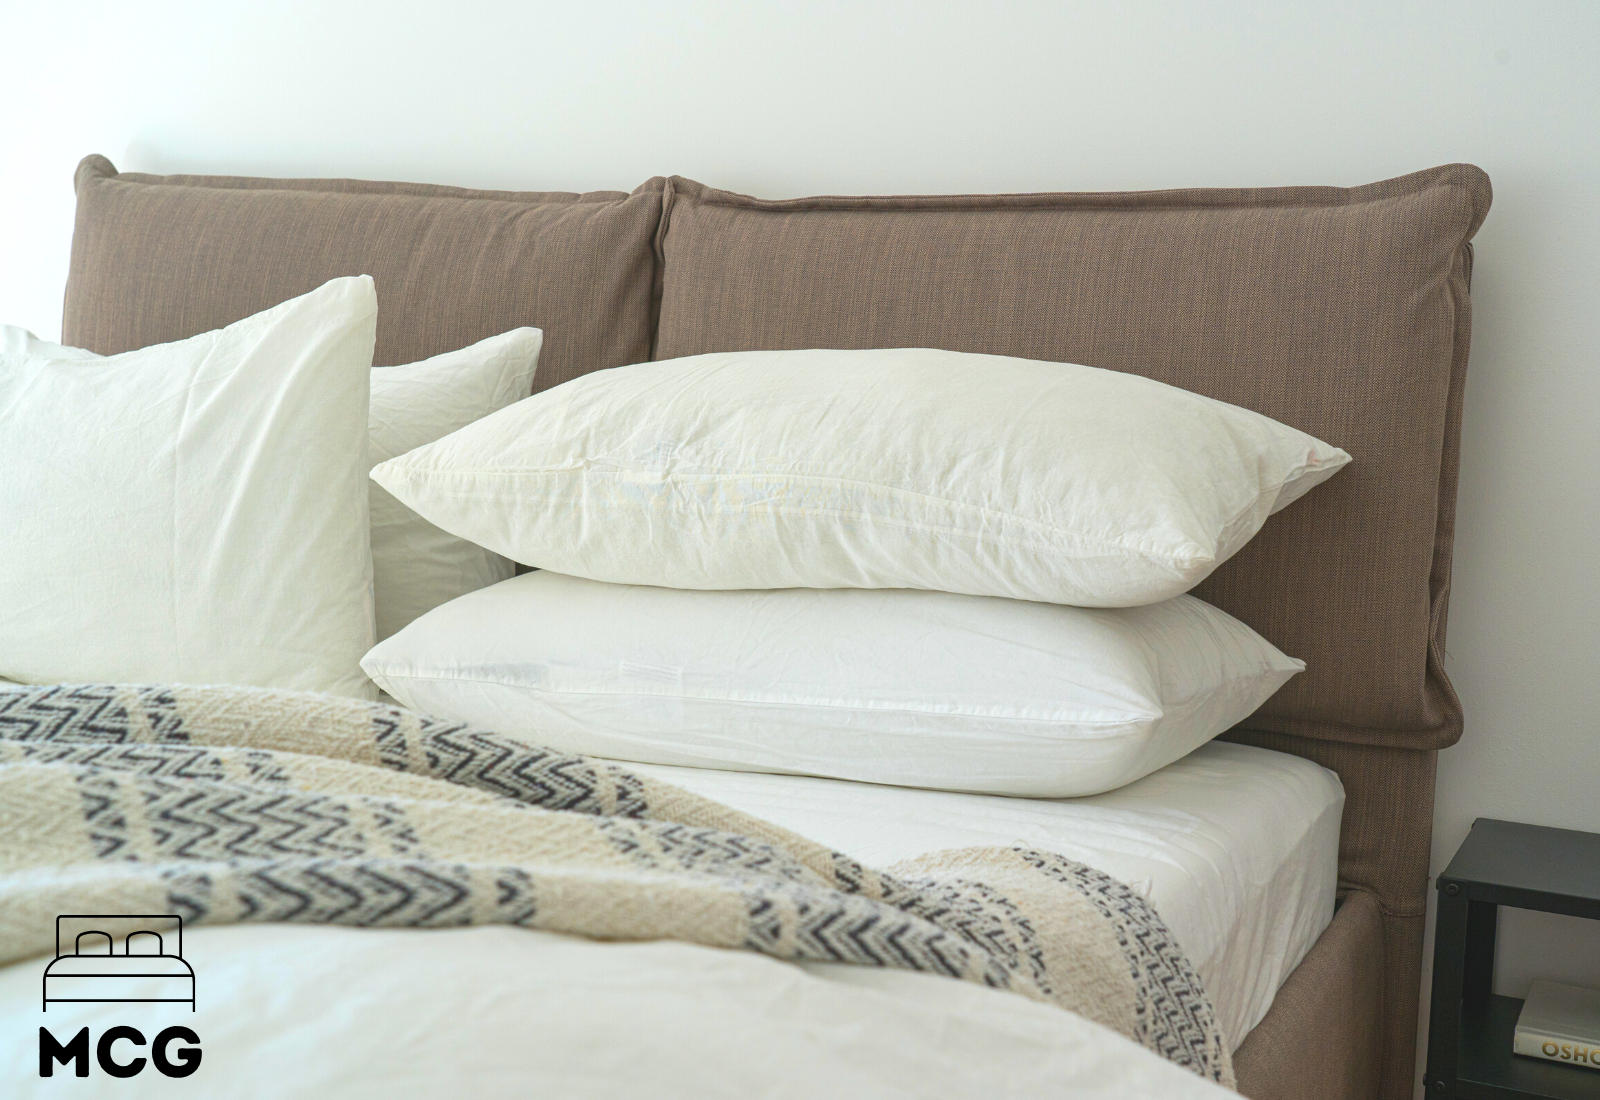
{"x": 917, "y": 567}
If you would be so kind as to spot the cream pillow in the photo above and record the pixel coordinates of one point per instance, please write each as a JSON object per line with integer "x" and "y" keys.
{"x": 415, "y": 566}
{"x": 918, "y": 689}
{"x": 193, "y": 511}
{"x": 907, "y": 468}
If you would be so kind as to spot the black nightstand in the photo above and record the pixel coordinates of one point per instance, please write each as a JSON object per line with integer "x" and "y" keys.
{"x": 1469, "y": 1037}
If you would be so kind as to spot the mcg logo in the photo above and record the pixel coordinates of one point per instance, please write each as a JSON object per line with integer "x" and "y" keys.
{"x": 146, "y": 971}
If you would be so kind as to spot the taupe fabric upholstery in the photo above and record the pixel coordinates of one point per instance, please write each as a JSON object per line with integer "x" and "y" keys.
{"x": 1342, "y": 312}
{"x": 157, "y": 258}
{"x": 1383, "y": 853}
{"x": 1319, "y": 1040}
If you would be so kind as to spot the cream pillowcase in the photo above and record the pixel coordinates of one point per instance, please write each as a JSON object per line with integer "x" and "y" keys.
{"x": 193, "y": 511}
{"x": 905, "y": 468}
{"x": 918, "y": 689}
{"x": 415, "y": 566}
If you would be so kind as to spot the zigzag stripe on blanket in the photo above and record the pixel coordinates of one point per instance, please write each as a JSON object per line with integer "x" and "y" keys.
{"x": 230, "y": 804}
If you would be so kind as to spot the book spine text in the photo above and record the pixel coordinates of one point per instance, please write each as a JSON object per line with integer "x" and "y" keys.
{"x": 1553, "y": 1049}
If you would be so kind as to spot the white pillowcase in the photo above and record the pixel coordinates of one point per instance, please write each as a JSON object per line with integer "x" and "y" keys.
{"x": 905, "y": 468}
{"x": 918, "y": 689}
{"x": 415, "y": 566}
{"x": 193, "y": 511}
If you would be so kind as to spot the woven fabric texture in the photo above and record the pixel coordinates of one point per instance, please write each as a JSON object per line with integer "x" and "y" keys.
{"x": 158, "y": 258}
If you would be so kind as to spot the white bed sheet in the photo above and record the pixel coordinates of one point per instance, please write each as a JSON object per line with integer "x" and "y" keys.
{"x": 1237, "y": 847}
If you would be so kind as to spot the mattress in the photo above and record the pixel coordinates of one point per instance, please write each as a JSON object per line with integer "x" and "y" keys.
{"x": 1237, "y": 848}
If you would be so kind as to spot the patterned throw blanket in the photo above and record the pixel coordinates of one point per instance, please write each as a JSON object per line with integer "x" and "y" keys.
{"x": 225, "y": 805}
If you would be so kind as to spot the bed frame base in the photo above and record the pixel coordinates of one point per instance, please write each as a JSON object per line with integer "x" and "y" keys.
{"x": 1345, "y": 1022}
{"x": 1320, "y": 1040}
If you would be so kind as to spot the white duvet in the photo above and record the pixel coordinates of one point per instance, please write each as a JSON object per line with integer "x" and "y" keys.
{"x": 296, "y": 1011}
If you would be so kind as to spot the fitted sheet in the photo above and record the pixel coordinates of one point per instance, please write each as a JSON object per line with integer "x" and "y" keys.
{"x": 1237, "y": 847}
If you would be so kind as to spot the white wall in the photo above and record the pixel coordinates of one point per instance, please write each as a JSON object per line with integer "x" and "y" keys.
{"x": 789, "y": 98}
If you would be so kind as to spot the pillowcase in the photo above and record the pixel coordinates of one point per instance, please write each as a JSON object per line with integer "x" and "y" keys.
{"x": 918, "y": 689}
{"x": 415, "y": 566}
{"x": 905, "y": 468}
{"x": 193, "y": 511}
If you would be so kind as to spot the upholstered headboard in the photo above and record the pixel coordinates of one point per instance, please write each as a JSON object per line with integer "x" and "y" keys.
{"x": 1343, "y": 312}
{"x": 157, "y": 258}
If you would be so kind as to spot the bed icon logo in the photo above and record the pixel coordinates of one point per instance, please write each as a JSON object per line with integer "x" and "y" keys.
{"x": 150, "y": 969}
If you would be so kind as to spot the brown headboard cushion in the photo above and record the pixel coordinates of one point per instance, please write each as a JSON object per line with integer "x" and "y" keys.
{"x": 1343, "y": 312}
{"x": 158, "y": 258}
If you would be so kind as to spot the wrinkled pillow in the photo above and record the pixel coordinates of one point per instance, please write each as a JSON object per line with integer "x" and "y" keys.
{"x": 904, "y": 468}
{"x": 194, "y": 511}
{"x": 917, "y": 689}
{"x": 415, "y": 566}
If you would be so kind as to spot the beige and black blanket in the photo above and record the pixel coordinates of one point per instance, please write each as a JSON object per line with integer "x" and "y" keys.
{"x": 226, "y": 805}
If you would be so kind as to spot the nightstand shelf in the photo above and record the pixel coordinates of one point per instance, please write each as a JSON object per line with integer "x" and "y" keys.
{"x": 1487, "y": 1068}
{"x": 1469, "y": 1041}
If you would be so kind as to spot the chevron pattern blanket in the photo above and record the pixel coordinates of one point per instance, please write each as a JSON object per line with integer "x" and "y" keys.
{"x": 226, "y": 805}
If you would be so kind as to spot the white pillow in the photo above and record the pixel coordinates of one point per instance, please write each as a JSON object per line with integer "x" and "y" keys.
{"x": 193, "y": 511}
{"x": 415, "y": 566}
{"x": 904, "y": 468}
{"x": 918, "y": 689}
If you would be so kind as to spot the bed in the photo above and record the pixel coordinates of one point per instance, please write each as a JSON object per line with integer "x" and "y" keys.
{"x": 1343, "y": 312}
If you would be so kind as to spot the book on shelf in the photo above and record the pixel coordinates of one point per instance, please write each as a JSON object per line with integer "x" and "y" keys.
{"x": 1560, "y": 1023}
